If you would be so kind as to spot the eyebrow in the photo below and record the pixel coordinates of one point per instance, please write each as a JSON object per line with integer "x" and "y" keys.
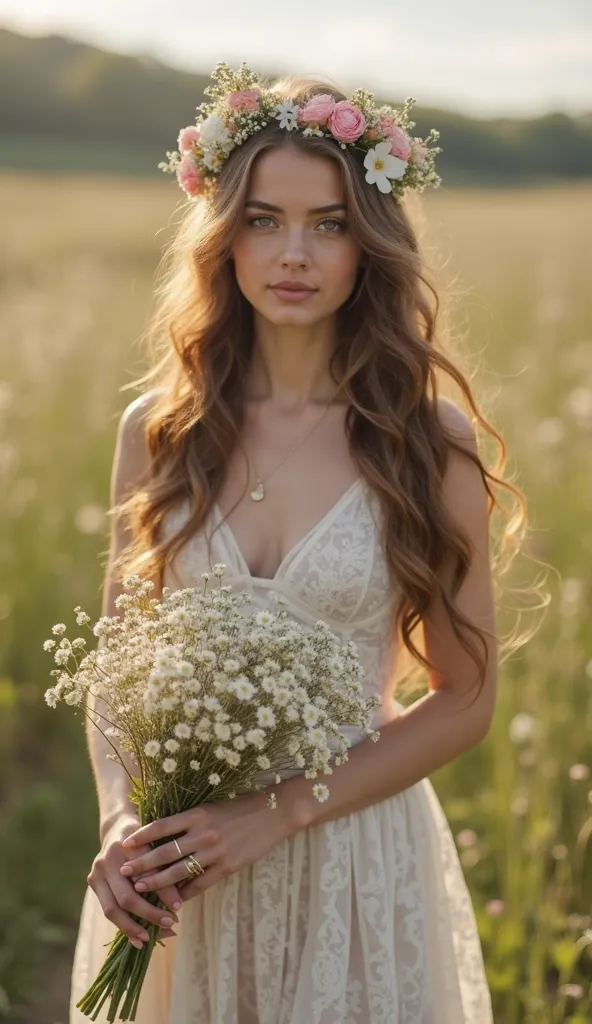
{"x": 277, "y": 209}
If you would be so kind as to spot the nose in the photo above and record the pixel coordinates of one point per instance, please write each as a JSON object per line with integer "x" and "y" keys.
{"x": 295, "y": 252}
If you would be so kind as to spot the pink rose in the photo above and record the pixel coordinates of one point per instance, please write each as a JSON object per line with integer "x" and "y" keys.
{"x": 187, "y": 136}
{"x": 418, "y": 152}
{"x": 244, "y": 101}
{"x": 346, "y": 122}
{"x": 317, "y": 110}
{"x": 386, "y": 126}
{"x": 401, "y": 143}
{"x": 189, "y": 176}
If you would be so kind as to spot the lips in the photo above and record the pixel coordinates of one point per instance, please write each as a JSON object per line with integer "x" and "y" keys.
{"x": 293, "y": 286}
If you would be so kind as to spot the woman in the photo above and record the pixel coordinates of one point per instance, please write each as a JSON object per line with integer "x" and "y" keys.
{"x": 293, "y": 431}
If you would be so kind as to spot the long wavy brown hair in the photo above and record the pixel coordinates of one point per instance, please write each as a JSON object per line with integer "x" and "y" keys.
{"x": 389, "y": 363}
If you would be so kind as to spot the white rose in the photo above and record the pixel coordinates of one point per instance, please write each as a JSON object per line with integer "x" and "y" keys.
{"x": 213, "y": 131}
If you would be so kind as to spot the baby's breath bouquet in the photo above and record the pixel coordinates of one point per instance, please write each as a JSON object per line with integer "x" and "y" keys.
{"x": 210, "y": 700}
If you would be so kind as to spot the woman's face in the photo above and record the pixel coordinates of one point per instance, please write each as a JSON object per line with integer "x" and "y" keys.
{"x": 285, "y": 234}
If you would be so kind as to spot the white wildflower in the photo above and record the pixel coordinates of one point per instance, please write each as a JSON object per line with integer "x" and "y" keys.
{"x": 214, "y": 779}
{"x": 231, "y": 665}
{"x": 239, "y": 743}
{"x": 310, "y": 715}
{"x": 182, "y": 731}
{"x": 172, "y": 746}
{"x": 242, "y": 688}
{"x": 49, "y": 645}
{"x": 292, "y": 713}
{"x": 212, "y": 704}
{"x": 287, "y": 114}
{"x": 213, "y": 132}
{"x": 222, "y": 731}
{"x": 524, "y": 728}
{"x": 272, "y": 801}
{"x": 264, "y": 762}
{"x": 195, "y": 765}
{"x": 152, "y": 748}
{"x": 60, "y": 628}
{"x": 169, "y": 764}
{"x": 169, "y": 703}
{"x": 265, "y": 717}
{"x": 256, "y": 737}
{"x": 82, "y": 619}
{"x": 321, "y": 792}
{"x": 233, "y": 758}
{"x": 219, "y": 569}
{"x": 281, "y": 697}
{"x": 264, "y": 618}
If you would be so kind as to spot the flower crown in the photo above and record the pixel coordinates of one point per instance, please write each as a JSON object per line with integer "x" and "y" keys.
{"x": 240, "y": 106}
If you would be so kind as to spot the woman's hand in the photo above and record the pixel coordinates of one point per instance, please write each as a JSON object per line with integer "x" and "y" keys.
{"x": 223, "y": 837}
{"x": 116, "y": 893}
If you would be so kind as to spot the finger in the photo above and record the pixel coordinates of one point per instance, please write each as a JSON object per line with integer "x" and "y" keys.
{"x": 167, "y": 853}
{"x": 135, "y": 932}
{"x": 159, "y": 829}
{"x": 198, "y": 885}
{"x": 131, "y": 902}
{"x": 170, "y": 895}
{"x": 175, "y": 873}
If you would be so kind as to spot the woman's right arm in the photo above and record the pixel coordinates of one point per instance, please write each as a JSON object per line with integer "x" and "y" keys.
{"x": 118, "y": 815}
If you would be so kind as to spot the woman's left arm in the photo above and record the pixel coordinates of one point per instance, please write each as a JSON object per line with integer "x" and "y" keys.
{"x": 437, "y": 728}
{"x": 449, "y": 719}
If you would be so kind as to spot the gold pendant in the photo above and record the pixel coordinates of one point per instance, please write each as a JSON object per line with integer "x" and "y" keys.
{"x": 259, "y": 493}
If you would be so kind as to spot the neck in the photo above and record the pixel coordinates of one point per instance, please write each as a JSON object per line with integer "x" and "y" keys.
{"x": 290, "y": 365}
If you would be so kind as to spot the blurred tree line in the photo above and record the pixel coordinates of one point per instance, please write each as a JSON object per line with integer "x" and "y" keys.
{"x": 68, "y": 105}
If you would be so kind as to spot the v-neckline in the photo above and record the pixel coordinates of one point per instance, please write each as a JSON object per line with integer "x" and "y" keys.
{"x": 332, "y": 511}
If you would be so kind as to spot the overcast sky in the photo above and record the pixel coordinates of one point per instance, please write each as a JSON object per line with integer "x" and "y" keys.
{"x": 509, "y": 57}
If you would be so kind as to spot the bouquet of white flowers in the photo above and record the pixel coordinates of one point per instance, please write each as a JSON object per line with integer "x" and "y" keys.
{"x": 208, "y": 699}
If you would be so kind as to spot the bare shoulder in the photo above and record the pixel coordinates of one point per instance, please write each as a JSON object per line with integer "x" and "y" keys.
{"x": 132, "y": 458}
{"x": 457, "y": 423}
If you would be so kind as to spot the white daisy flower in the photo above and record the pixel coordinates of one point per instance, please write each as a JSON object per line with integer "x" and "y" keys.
{"x": 265, "y": 618}
{"x": 195, "y": 765}
{"x": 172, "y": 746}
{"x": 182, "y": 731}
{"x": 321, "y": 792}
{"x": 152, "y": 748}
{"x": 239, "y": 742}
{"x": 281, "y": 697}
{"x": 287, "y": 114}
{"x": 212, "y": 704}
{"x": 292, "y": 713}
{"x": 169, "y": 764}
{"x": 265, "y": 717}
{"x": 256, "y": 737}
{"x": 214, "y": 779}
{"x": 264, "y": 762}
{"x": 222, "y": 731}
{"x": 243, "y": 689}
{"x": 310, "y": 715}
{"x": 381, "y": 165}
{"x": 231, "y": 665}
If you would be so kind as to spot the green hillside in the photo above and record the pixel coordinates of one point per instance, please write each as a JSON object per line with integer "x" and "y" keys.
{"x": 65, "y": 104}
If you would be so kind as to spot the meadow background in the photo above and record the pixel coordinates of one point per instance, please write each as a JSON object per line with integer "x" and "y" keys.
{"x": 78, "y": 253}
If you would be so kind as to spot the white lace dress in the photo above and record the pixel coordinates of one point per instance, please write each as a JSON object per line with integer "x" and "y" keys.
{"x": 364, "y": 920}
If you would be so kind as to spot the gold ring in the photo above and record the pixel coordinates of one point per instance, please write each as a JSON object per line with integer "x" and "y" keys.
{"x": 179, "y": 848}
{"x": 193, "y": 867}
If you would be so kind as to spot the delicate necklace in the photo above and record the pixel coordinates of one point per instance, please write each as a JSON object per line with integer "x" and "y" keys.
{"x": 258, "y": 493}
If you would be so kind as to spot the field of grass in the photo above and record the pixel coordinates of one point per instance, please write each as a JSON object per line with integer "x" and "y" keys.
{"x": 77, "y": 258}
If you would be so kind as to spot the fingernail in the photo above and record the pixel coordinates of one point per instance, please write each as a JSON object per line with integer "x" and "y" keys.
{"x": 140, "y": 886}
{"x": 177, "y": 905}
{"x": 127, "y": 843}
{"x": 145, "y": 936}
{"x": 137, "y": 943}
{"x": 127, "y": 869}
{"x": 166, "y": 922}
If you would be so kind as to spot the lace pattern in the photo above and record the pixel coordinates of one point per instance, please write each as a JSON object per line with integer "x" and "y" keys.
{"x": 363, "y": 920}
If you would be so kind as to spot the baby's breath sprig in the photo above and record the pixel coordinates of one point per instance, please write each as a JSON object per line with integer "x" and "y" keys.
{"x": 212, "y": 699}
